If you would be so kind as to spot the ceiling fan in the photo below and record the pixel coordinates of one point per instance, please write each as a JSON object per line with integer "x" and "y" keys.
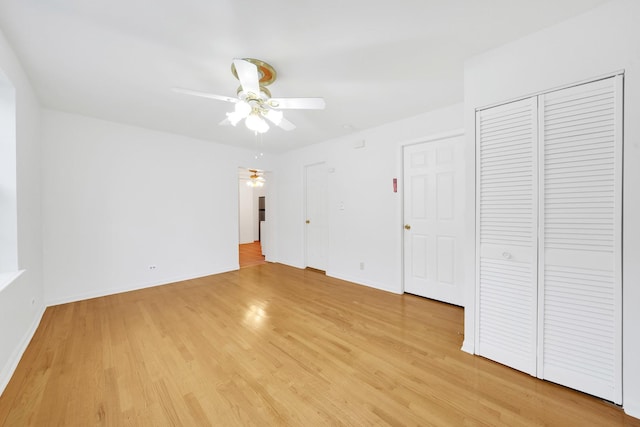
{"x": 254, "y": 103}
{"x": 256, "y": 179}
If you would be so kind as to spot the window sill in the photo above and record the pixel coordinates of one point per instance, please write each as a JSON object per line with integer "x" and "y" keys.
{"x": 8, "y": 278}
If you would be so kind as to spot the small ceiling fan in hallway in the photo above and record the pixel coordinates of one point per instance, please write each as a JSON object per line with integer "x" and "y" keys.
{"x": 256, "y": 179}
{"x": 254, "y": 103}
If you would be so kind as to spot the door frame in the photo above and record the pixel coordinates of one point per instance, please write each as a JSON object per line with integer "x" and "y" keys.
{"x": 431, "y": 138}
{"x": 268, "y": 247}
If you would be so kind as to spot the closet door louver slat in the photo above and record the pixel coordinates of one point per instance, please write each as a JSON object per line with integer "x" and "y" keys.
{"x": 580, "y": 230}
{"x": 507, "y": 234}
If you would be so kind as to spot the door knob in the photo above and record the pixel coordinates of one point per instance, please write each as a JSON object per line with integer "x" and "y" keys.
{"x": 307, "y": 221}
{"x": 407, "y": 227}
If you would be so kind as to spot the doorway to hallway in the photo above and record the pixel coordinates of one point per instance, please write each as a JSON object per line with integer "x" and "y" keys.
{"x": 252, "y": 225}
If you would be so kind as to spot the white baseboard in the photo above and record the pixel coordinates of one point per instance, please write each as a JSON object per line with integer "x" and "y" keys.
{"x": 9, "y": 368}
{"x": 351, "y": 279}
{"x": 133, "y": 287}
{"x": 632, "y": 409}
{"x": 299, "y": 266}
{"x": 358, "y": 281}
{"x": 467, "y": 347}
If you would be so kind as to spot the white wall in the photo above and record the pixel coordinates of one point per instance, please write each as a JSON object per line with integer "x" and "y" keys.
{"x": 601, "y": 41}
{"x": 269, "y": 240}
{"x": 369, "y": 229}
{"x": 21, "y": 302}
{"x": 119, "y": 199}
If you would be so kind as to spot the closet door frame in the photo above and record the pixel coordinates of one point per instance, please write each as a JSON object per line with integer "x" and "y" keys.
{"x": 538, "y": 370}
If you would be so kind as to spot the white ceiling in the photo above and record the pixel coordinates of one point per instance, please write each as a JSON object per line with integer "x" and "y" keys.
{"x": 373, "y": 62}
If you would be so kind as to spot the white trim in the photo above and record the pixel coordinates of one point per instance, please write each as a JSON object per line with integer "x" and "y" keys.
{"x": 619, "y": 228}
{"x": 431, "y": 138}
{"x": 476, "y": 236}
{"x": 10, "y": 367}
{"x": 539, "y": 173}
{"x": 400, "y": 211}
{"x": 554, "y": 89}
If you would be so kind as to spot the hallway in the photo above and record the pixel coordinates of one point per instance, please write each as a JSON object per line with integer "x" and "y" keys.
{"x": 251, "y": 254}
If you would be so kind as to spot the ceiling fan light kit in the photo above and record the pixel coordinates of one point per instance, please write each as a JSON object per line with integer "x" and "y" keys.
{"x": 256, "y": 179}
{"x": 275, "y": 116}
{"x": 256, "y": 123}
{"x": 254, "y": 103}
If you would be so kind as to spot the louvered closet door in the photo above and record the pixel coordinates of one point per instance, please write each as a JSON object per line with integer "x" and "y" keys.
{"x": 580, "y": 239}
{"x": 507, "y": 234}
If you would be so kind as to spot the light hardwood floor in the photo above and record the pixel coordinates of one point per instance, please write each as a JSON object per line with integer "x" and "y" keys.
{"x": 250, "y": 254}
{"x": 273, "y": 345}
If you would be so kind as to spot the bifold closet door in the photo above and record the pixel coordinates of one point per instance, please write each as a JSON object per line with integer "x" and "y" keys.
{"x": 506, "y": 291}
{"x": 579, "y": 329}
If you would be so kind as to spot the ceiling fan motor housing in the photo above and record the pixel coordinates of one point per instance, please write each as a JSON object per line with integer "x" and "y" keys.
{"x": 267, "y": 74}
{"x": 254, "y": 103}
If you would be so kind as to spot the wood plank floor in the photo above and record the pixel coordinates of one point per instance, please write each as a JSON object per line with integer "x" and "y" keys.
{"x": 250, "y": 254}
{"x": 274, "y": 345}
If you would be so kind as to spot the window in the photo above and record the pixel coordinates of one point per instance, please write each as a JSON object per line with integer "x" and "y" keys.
{"x": 8, "y": 207}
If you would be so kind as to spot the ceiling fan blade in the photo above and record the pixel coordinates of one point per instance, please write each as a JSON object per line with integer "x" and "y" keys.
{"x": 276, "y": 118}
{"x": 286, "y": 124}
{"x": 205, "y": 94}
{"x": 297, "y": 103}
{"x": 225, "y": 122}
{"x": 248, "y": 76}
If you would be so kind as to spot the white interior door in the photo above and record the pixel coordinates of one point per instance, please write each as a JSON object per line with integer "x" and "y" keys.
{"x": 549, "y": 221}
{"x": 506, "y": 227}
{"x": 433, "y": 217}
{"x": 316, "y": 212}
{"x": 580, "y": 333}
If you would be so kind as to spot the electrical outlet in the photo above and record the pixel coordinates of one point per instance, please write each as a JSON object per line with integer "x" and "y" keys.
{"x": 361, "y": 265}
{"x": 152, "y": 267}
